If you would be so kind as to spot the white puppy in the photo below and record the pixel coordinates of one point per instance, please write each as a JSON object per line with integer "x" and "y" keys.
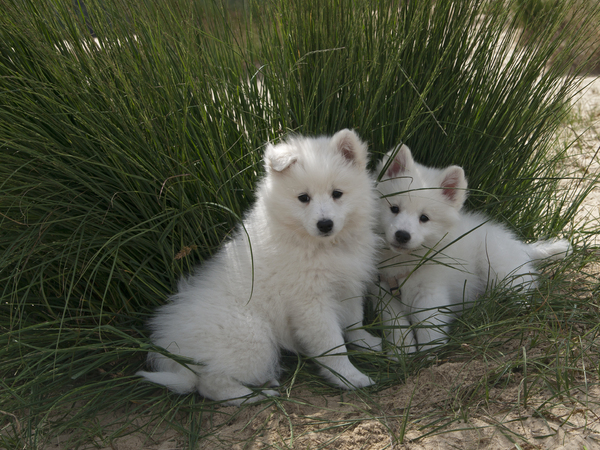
{"x": 292, "y": 277}
{"x": 441, "y": 257}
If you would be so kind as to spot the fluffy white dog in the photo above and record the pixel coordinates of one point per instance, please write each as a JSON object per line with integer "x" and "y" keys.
{"x": 441, "y": 257}
{"x": 292, "y": 277}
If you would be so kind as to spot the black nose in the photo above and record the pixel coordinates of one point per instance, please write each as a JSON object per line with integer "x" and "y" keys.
{"x": 325, "y": 225}
{"x": 402, "y": 236}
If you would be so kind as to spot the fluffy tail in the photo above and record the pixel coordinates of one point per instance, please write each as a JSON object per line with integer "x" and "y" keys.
{"x": 181, "y": 382}
{"x": 551, "y": 249}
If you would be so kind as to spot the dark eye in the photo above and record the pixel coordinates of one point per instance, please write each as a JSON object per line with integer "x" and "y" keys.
{"x": 394, "y": 209}
{"x": 423, "y": 218}
{"x": 337, "y": 194}
{"x": 304, "y": 198}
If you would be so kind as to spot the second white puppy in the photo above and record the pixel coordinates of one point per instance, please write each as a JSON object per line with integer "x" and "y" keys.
{"x": 293, "y": 277}
{"x": 440, "y": 256}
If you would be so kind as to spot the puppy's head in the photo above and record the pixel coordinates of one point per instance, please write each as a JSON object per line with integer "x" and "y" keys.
{"x": 317, "y": 186}
{"x": 418, "y": 204}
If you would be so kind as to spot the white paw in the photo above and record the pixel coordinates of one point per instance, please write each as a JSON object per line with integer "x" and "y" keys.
{"x": 402, "y": 342}
{"x": 269, "y": 393}
{"x": 264, "y": 394}
{"x": 368, "y": 342}
{"x": 350, "y": 381}
{"x": 396, "y": 353}
{"x": 359, "y": 380}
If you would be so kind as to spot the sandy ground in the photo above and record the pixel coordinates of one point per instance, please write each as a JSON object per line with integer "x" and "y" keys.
{"x": 353, "y": 421}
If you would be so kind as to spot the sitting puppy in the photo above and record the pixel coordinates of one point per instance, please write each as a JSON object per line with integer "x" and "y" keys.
{"x": 440, "y": 256}
{"x": 292, "y": 277}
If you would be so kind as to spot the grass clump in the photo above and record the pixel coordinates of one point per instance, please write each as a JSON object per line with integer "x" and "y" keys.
{"x": 131, "y": 136}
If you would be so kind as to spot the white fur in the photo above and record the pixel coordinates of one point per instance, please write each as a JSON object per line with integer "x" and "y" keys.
{"x": 280, "y": 282}
{"x": 441, "y": 264}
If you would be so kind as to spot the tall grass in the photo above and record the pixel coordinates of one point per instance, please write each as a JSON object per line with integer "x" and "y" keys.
{"x": 131, "y": 136}
{"x": 535, "y": 14}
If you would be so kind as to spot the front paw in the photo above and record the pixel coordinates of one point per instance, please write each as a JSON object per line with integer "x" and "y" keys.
{"x": 264, "y": 394}
{"x": 362, "y": 340}
{"x": 402, "y": 342}
{"x": 349, "y": 381}
{"x": 360, "y": 380}
{"x": 375, "y": 345}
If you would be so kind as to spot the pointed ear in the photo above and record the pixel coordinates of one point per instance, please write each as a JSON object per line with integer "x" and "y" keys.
{"x": 454, "y": 185}
{"x": 402, "y": 162}
{"x": 351, "y": 147}
{"x": 279, "y": 157}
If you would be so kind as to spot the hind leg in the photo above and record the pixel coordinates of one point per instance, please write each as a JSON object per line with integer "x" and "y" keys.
{"x": 236, "y": 357}
{"x": 518, "y": 274}
{"x": 509, "y": 263}
{"x": 221, "y": 387}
